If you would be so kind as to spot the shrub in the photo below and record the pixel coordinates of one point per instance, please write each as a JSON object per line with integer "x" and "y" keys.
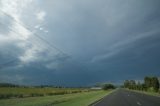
{"x": 108, "y": 86}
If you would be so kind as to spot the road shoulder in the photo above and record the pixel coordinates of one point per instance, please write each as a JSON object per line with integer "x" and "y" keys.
{"x": 99, "y": 100}
{"x": 146, "y": 93}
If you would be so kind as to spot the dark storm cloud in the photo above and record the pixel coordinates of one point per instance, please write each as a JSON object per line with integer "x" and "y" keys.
{"x": 103, "y": 41}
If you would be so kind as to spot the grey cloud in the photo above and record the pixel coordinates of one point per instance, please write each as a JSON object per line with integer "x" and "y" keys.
{"x": 106, "y": 40}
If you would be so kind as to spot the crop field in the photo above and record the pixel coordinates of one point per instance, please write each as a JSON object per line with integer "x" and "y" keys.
{"x": 49, "y": 96}
{"x": 8, "y": 92}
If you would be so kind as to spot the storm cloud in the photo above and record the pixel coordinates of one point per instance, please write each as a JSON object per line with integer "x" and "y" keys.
{"x": 78, "y": 42}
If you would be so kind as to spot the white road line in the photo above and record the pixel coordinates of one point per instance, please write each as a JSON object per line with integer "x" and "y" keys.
{"x": 139, "y": 104}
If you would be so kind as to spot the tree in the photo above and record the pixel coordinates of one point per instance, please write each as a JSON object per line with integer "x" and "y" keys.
{"x": 152, "y": 82}
{"x": 108, "y": 86}
{"x": 155, "y": 84}
{"x": 126, "y": 83}
{"x": 147, "y": 82}
{"x": 131, "y": 84}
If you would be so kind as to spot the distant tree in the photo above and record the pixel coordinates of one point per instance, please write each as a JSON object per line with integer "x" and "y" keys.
{"x": 131, "y": 84}
{"x": 152, "y": 82}
{"x": 144, "y": 87}
{"x": 139, "y": 86}
{"x": 8, "y": 85}
{"x": 126, "y": 83}
{"x": 108, "y": 86}
{"x": 147, "y": 81}
{"x": 155, "y": 84}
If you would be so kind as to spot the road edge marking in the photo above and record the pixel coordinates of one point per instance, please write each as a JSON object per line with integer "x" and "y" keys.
{"x": 99, "y": 100}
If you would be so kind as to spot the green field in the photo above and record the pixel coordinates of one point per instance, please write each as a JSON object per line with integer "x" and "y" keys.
{"x": 19, "y": 92}
{"x": 75, "y": 99}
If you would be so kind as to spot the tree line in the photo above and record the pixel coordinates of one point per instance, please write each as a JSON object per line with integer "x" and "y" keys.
{"x": 8, "y": 85}
{"x": 149, "y": 84}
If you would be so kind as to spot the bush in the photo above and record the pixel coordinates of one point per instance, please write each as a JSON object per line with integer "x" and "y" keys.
{"x": 108, "y": 86}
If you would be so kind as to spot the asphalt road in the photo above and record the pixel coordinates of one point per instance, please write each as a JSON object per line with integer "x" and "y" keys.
{"x": 123, "y": 97}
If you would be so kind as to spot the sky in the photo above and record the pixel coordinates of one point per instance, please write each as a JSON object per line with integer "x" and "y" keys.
{"x": 78, "y": 42}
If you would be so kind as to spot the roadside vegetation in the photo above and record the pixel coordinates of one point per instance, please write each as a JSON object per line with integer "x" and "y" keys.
{"x": 77, "y": 99}
{"x": 150, "y": 85}
{"x": 8, "y": 91}
{"x": 86, "y": 99}
{"x": 19, "y": 92}
{"x": 47, "y": 96}
{"x": 15, "y": 95}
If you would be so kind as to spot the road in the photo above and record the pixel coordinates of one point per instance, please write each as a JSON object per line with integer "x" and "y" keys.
{"x": 123, "y": 97}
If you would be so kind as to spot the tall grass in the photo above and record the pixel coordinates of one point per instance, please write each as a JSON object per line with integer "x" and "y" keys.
{"x": 7, "y": 92}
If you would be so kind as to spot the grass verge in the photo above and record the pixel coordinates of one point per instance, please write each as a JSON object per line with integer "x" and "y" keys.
{"x": 78, "y": 99}
{"x": 147, "y": 93}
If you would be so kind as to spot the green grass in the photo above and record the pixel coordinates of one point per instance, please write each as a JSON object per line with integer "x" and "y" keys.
{"x": 7, "y": 92}
{"x": 77, "y": 99}
{"x": 147, "y": 93}
{"x": 84, "y": 99}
